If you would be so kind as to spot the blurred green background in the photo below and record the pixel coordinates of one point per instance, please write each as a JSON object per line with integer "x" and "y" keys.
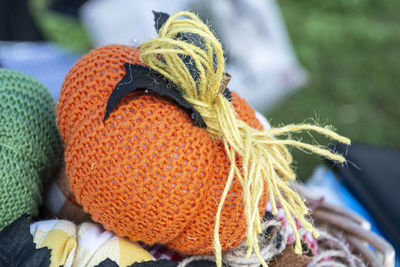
{"x": 350, "y": 49}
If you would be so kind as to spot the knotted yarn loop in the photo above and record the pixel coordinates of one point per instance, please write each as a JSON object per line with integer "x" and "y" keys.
{"x": 264, "y": 159}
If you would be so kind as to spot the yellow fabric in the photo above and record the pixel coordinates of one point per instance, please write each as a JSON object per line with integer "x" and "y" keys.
{"x": 60, "y": 239}
{"x": 84, "y": 245}
{"x": 265, "y": 160}
{"x": 127, "y": 257}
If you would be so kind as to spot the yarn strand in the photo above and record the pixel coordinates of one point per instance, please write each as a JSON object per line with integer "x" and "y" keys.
{"x": 264, "y": 159}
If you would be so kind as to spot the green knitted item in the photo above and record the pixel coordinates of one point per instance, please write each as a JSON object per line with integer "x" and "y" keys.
{"x": 30, "y": 146}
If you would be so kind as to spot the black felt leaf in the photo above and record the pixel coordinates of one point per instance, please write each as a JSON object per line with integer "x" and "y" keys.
{"x": 142, "y": 77}
{"x": 159, "y": 19}
{"x": 18, "y": 249}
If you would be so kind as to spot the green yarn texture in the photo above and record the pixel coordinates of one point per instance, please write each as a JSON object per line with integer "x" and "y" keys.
{"x": 30, "y": 145}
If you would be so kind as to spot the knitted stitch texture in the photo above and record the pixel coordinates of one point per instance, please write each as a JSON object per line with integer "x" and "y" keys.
{"x": 147, "y": 172}
{"x": 30, "y": 146}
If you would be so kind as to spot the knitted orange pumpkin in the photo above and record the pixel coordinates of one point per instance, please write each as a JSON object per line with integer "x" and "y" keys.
{"x": 191, "y": 170}
{"x": 146, "y": 172}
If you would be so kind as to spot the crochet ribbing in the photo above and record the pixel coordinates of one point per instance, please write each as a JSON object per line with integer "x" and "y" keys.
{"x": 147, "y": 172}
{"x": 30, "y": 146}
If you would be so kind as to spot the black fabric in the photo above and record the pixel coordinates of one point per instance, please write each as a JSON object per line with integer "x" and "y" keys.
{"x": 16, "y": 22}
{"x": 142, "y": 77}
{"x": 228, "y": 94}
{"x": 375, "y": 182}
{"x": 18, "y": 249}
{"x": 268, "y": 216}
{"x": 107, "y": 263}
{"x": 159, "y": 19}
{"x": 278, "y": 241}
{"x": 160, "y": 263}
{"x": 203, "y": 264}
{"x": 165, "y": 263}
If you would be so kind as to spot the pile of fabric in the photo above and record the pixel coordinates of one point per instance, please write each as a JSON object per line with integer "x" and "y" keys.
{"x": 150, "y": 160}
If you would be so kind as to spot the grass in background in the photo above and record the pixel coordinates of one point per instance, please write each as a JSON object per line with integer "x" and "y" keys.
{"x": 351, "y": 49}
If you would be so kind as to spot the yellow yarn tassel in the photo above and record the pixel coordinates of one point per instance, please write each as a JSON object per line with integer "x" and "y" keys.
{"x": 265, "y": 159}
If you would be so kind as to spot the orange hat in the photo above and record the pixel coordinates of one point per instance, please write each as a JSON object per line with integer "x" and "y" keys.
{"x": 147, "y": 172}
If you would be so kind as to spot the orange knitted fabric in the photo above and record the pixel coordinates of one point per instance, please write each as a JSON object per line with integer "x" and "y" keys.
{"x": 147, "y": 172}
